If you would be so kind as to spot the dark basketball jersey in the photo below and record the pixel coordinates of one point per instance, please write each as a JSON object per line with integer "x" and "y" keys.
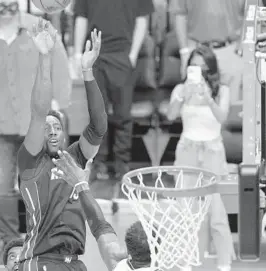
{"x": 55, "y": 222}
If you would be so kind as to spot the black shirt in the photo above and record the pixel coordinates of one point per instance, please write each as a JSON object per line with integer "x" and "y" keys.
{"x": 115, "y": 18}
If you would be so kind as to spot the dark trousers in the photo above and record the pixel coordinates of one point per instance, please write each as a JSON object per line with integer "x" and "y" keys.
{"x": 116, "y": 79}
{"x": 9, "y": 220}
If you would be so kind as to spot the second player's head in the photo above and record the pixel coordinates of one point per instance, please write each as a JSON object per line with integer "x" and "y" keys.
{"x": 137, "y": 246}
{"x": 54, "y": 132}
{"x": 11, "y": 254}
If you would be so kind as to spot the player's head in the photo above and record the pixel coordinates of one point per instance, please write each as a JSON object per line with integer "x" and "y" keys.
{"x": 11, "y": 254}
{"x": 204, "y": 57}
{"x": 54, "y": 132}
{"x": 8, "y": 9}
{"x": 137, "y": 246}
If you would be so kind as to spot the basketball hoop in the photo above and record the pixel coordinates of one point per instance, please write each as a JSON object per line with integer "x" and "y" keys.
{"x": 171, "y": 211}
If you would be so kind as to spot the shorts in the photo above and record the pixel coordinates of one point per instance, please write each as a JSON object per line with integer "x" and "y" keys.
{"x": 53, "y": 262}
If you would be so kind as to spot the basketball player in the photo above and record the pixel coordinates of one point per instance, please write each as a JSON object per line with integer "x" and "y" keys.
{"x": 18, "y": 63}
{"x": 56, "y": 230}
{"x": 11, "y": 254}
{"x": 136, "y": 239}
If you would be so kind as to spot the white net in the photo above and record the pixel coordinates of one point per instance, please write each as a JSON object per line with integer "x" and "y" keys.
{"x": 171, "y": 223}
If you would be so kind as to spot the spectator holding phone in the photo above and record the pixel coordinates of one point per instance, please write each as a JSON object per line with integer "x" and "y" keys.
{"x": 203, "y": 104}
{"x": 217, "y": 24}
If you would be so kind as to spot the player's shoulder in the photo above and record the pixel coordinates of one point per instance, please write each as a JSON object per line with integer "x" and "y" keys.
{"x": 75, "y": 151}
{"x": 28, "y": 164}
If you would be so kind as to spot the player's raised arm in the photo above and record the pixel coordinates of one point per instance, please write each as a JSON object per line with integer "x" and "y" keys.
{"x": 102, "y": 231}
{"x": 92, "y": 135}
{"x": 44, "y": 38}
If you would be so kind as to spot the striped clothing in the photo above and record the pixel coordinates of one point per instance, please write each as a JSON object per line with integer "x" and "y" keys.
{"x": 55, "y": 223}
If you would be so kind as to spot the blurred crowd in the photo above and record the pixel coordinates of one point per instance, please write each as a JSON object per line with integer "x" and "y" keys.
{"x": 144, "y": 46}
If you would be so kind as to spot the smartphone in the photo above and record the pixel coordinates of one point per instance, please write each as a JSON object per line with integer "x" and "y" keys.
{"x": 194, "y": 74}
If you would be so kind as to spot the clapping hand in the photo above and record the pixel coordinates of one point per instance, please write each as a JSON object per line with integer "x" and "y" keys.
{"x": 69, "y": 170}
{"x": 91, "y": 52}
{"x": 43, "y": 36}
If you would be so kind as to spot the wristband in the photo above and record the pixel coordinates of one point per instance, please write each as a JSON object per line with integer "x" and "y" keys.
{"x": 79, "y": 187}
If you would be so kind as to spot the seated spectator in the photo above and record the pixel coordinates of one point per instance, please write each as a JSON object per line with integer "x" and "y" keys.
{"x": 203, "y": 107}
{"x": 11, "y": 254}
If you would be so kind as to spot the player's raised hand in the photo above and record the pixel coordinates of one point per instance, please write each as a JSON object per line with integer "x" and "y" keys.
{"x": 43, "y": 36}
{"x": 92, "y": 50}
{"x": 70, "y": 171}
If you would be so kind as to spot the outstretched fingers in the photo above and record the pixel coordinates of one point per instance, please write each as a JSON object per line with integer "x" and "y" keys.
{"x": 51, "y": 30}
{"x": 96, "y": 40}
{"x": 41, "y": 25}
{"x": 33, "y": 32}
{"x": 69, "y": 159}
{"x": 88, "y": 45}
{"x": 60, "y": 164}
{"x": 93, "y": 38}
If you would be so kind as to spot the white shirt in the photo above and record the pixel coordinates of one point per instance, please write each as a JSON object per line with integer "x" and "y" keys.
{"x": 199, "y": 123}
{"x": 123, "y": 266}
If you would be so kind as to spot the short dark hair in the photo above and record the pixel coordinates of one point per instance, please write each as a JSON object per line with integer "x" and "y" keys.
{"x": 18, "y": 242}
{"x": 137, "y": 243}
{"x": 58, "y": 115}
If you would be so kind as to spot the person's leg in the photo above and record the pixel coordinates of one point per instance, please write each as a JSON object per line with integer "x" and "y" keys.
{"x": 122, "y": 99}
{"x": 231, "y": 71}
{"x": 187, "y": 154}
{"x": 100, "y": 170}
{"x": 9, "y": 220}
{"x": 215, "y": 161}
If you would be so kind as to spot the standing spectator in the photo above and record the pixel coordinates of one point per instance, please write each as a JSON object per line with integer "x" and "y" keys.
{"x": 18, "y": 68}
{"x": 124, "y": 25}
{"x": 203, "y": 107}
{"x": 217, "y": 24}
